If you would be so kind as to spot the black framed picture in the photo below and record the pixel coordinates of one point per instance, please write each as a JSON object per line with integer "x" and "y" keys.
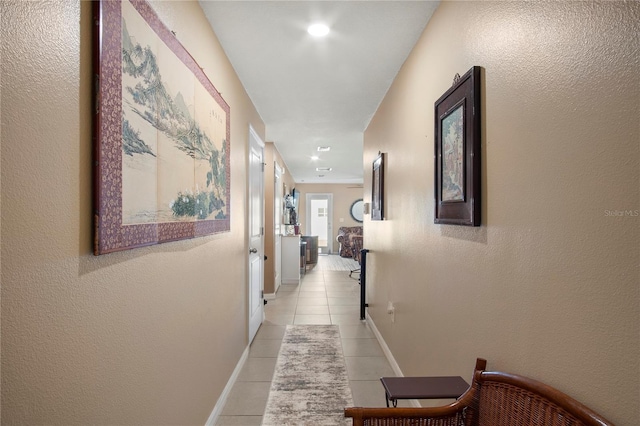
{"x": 457, "y": 152}
{"x": 377, "y": 189}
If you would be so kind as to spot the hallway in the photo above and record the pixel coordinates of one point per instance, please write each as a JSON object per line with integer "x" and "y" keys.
{"x": 323, "y": 297}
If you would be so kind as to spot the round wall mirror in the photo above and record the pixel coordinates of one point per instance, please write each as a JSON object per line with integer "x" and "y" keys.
{"x": 357, "y": 210}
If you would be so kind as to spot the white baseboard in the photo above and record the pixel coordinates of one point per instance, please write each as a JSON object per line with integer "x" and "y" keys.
{"x": 270, "y": 296}
{"x": 385, "y": 348}
{"x": 217, "y": 410}
{"x": 387, "y": 353}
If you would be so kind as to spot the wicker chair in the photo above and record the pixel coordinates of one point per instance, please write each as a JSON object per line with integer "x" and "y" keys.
{"x": 494, "y": 399}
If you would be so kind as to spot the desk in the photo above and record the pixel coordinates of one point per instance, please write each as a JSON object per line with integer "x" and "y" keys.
{"x": 440, "y": 387}
{"x": 303, "y": 257}
{"x": 291, "y": 259}
{"x": 312, "y": 248}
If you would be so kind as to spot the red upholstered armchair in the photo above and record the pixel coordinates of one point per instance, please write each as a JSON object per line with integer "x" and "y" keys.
{"x": 345, "y": 236}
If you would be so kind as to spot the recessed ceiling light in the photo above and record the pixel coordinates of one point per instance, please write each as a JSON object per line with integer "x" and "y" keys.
{"x": 318, "y": 30}
{"x": 323, "y": 169}
{"x": 324, "y": 148}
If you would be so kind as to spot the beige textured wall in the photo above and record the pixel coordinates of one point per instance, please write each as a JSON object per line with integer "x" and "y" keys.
{"x": 343, "y": 196}
{"x": 548, "y": 286}
{"x": 146, "y": 336}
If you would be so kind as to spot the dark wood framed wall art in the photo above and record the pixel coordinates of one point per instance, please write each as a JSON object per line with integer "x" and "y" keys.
{"x": 161, "y": 134}
{"x": 377, "y": 188}
{"x": 457, "y": 152}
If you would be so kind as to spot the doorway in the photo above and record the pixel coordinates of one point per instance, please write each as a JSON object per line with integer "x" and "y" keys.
{"x": 278, "y": 208}
{"x": 256, "y": 232}
{"x": 319, "y": 209}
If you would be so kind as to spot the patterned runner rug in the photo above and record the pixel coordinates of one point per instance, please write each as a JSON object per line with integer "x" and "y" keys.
{"x": 310, "y": 384}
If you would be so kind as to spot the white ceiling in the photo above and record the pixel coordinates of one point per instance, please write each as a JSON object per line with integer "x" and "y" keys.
{"x": 314, "y": 92}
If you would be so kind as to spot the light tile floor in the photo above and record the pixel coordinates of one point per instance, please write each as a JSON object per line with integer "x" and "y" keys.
{"x": 323, "y": 297}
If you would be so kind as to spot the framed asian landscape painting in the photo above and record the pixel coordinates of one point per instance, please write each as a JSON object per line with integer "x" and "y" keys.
{"x": 161, "y": 135}
{"x": 457, "y": 152}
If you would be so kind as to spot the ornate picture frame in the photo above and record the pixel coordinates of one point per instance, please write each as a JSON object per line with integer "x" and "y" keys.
{"x": 161, "y": 134}
{"x": 377, "y": 188}
{"x": 457, "y": 152}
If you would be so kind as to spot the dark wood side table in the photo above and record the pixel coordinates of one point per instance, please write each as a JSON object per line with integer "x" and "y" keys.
{"x": 437, "y": 387}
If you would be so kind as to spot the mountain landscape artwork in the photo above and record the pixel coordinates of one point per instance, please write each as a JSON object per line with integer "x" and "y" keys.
{"x": 173, "y": 155}
{"x": 169, "y": 149}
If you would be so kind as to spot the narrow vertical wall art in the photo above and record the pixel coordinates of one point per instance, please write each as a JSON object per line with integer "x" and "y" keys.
{"x": 377, "y": 188}
{"x": 457, "y": 152}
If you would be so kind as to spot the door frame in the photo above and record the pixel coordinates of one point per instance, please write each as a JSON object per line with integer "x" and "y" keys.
{"x": 278, "y": 226}
{"x": 329, "y": 196}
{"x": 255, "y": 142}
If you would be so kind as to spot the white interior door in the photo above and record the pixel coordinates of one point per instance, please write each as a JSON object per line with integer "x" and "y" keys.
{"x": 319, "y": 215}
{"x": 256, "y": 233}
{"x": 278, "y": 194}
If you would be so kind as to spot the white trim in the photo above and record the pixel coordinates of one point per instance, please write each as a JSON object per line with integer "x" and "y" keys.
{"x": 278, "y": 228}
{"x": 387, "y": 353}
{"x": 255, "y": 142}
{"x": 270, "y": 296}
{"x": 385, "y": 348}
{"x": 217, "y": 410}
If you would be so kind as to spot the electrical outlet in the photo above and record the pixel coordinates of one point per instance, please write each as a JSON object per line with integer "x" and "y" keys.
{"x": 391, "y": 310}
